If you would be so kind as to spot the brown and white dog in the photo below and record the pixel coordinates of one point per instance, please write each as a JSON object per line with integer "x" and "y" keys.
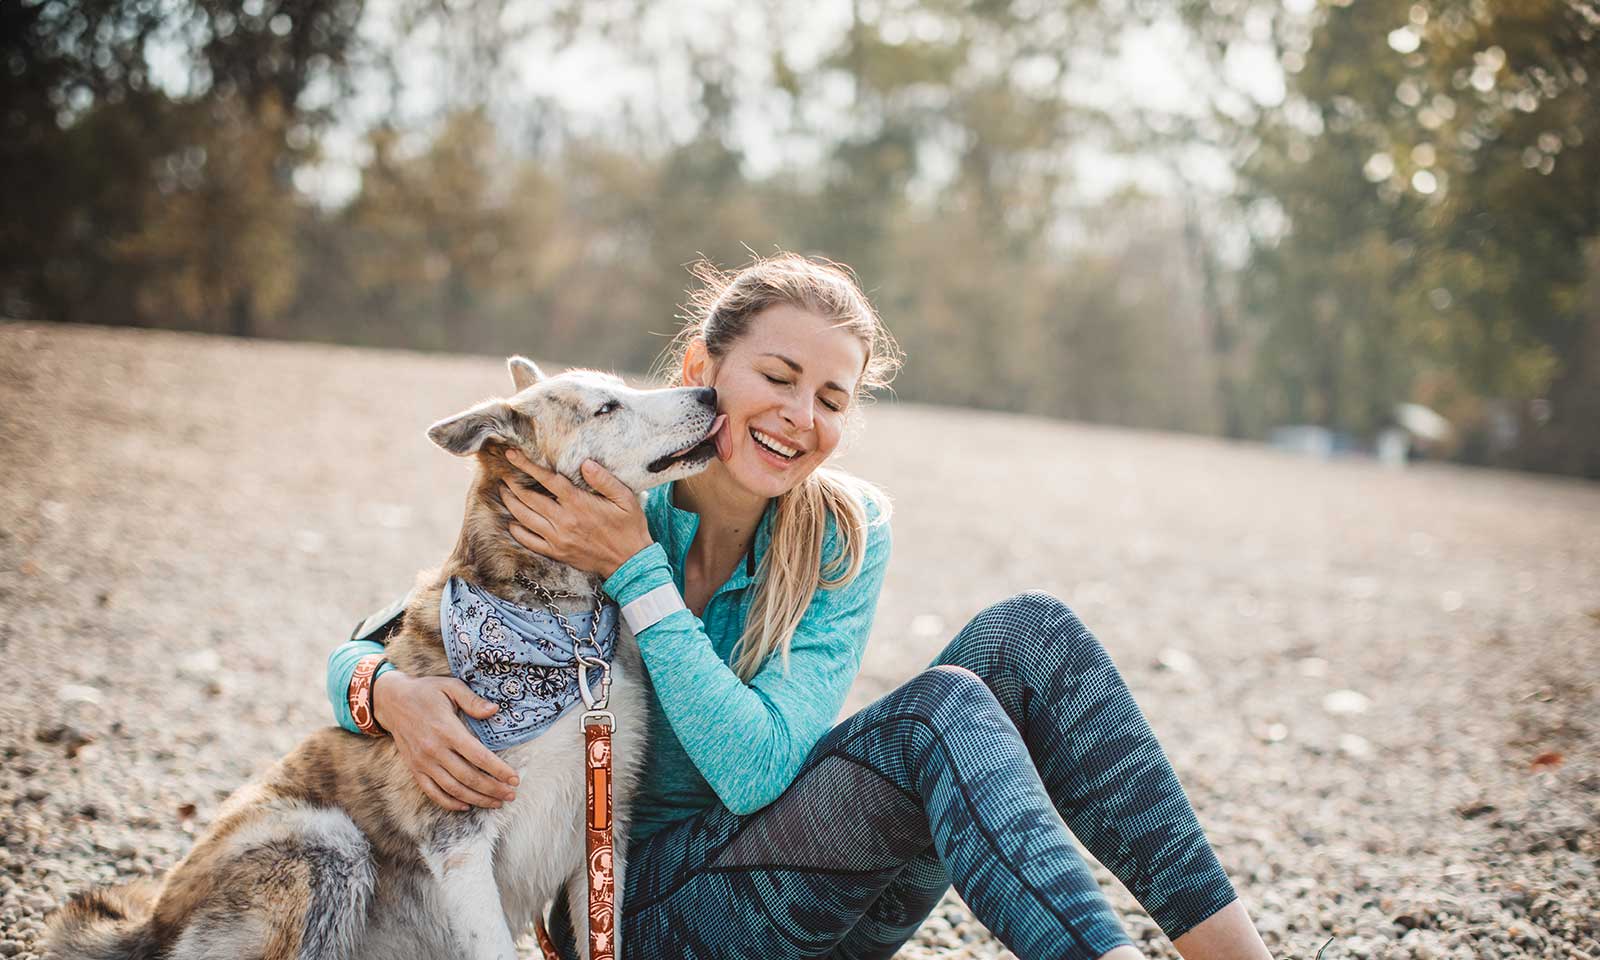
{"x": 335, "y": 852}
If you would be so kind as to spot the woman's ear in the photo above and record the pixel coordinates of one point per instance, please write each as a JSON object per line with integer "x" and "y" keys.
{"x": 698, "y": 367}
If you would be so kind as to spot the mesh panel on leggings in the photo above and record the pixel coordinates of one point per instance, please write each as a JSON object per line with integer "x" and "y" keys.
{"x": 839, "y": 815}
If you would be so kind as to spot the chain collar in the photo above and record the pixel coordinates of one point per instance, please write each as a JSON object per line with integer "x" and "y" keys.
{"x": 548, "y": 598}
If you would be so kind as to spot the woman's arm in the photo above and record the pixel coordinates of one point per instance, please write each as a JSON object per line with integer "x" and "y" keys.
{"x": 448, "y": 763}
{"x": 341, "y": 667}
{"x": 749, "y": 740}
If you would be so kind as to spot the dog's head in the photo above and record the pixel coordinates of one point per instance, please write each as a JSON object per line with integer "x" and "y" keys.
{"x": 644, "y": 437}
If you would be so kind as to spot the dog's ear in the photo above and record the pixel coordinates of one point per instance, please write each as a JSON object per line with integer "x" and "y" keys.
{"x": 524, "y": 372}
{"x": 467, "y": 432}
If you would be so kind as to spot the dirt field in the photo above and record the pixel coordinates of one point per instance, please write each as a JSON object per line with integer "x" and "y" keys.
{"x": 1380, "y": 687}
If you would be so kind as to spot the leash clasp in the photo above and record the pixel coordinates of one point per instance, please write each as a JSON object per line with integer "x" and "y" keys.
{"x": 593, "y": 703}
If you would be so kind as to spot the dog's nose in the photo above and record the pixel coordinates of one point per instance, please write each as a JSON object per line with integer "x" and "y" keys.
{"x": 707, "y": 396}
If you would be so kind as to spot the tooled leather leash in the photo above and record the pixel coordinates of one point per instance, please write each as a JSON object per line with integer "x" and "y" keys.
{"x": 598, "y": 724}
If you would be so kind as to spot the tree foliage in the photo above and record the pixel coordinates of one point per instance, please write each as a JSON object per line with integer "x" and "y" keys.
{"x": 1418, "y": 208}
{"x": 149, "y": 145}
{"x": 1434, "y": 167}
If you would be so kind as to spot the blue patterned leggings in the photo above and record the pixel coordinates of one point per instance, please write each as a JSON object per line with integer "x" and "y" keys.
{"x": 963, "y": 774}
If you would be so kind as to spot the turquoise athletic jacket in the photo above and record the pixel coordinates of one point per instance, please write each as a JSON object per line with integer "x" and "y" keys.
{"x": 714, "y": 737}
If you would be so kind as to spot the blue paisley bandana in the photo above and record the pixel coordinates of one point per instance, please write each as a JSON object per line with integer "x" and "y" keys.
{"x": 518, "y": 658}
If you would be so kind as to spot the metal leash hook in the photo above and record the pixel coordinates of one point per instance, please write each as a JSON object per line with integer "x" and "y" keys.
{"x": 592, "y": 703}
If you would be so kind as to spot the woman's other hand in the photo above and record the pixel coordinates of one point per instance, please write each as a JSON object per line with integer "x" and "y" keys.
{"x": 451, "y": 766}
{"x": 595, "y": 532}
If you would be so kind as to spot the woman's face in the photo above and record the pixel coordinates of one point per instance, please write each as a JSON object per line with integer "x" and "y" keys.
{"x": 786, "y": 387}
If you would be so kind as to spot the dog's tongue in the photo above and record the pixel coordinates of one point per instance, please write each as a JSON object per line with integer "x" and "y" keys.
{"x": 724, "y": 441}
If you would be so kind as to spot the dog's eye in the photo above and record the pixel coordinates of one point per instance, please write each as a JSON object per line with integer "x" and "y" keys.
{"x": 607, "y": 407}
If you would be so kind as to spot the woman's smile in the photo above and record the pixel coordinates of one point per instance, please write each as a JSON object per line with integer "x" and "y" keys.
{"x": 773, "y": 448}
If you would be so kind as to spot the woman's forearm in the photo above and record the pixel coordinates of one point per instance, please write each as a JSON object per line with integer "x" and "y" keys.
{"x": 341, "y": 666}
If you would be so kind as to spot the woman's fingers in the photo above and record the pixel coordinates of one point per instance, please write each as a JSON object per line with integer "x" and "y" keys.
{"x": 498, "y": 777}
{"x": 468, "y": 702}
{"x": 489, "y": 773}
{"x": 459, "y": 791}
{"x": 481, "y": 784}
{"x": 527, "y": 514}
{"x": 432, "y": 792}
{"x": 607, "y": 484}
{"x": 499, "y": 773}
{"x": 531, "y": 540}
{"x": 558, "y": 485}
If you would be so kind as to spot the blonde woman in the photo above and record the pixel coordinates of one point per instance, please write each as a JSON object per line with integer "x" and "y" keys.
{"x": 763, "y": 829}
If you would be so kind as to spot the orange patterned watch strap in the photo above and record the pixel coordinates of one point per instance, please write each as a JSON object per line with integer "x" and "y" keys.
{"x": 361, "y": 694}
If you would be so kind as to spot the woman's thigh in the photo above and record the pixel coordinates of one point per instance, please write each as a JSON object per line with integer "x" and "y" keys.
{"x": 788, "y": 880}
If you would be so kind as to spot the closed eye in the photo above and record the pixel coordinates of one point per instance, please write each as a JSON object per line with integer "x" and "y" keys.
{"x": 827, "y": 403}
{"x": 608, "y": 407}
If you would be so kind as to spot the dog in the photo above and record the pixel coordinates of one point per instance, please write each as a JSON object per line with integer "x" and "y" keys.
{"x": 335, "y": 853}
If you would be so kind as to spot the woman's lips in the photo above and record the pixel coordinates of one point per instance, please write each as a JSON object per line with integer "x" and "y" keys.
{"x": 777, "y": 460}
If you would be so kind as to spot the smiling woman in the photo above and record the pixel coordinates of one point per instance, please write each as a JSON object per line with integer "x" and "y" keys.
{"x": 764, "y": 829}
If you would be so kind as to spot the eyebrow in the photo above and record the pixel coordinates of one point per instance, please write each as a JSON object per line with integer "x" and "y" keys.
{"x": 831, "y": 385}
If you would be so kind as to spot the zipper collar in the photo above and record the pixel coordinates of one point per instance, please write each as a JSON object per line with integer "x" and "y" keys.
{"x": 678, "y": 527}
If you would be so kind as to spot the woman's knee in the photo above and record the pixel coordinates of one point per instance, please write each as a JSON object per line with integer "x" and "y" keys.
{"x": 931, "y": 700}
{"x": 1029, "y": 630}
{"x": 1031, "y": 610}
{"x": 940, "y": 702}
{"x": 939, "y": 684}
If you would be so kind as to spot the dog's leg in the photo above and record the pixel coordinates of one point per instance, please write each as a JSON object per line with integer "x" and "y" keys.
{"x": 463, "y": 864}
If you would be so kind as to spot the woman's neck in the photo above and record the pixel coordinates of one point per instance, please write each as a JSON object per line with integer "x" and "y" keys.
{"x": 728, "y": 513}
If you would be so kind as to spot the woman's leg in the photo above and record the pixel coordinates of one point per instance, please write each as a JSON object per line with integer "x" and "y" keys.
{"x": 934, "y": 765}
{"x": 1106, "y": 774}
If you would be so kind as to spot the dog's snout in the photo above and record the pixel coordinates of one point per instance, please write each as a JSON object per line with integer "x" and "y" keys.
{"x": 707, "y": 396}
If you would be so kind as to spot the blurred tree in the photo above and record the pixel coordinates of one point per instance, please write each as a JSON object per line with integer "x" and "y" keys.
{"x": 115, "y": 109}
{"x": 428, "y": 231}
{"x": 1418, "y": 203}
{"x": 214, "y": 245}
{"x": 1426, "y": 199}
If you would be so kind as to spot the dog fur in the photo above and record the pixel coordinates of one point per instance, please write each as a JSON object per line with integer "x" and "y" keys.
{"x": 335, "y": 853}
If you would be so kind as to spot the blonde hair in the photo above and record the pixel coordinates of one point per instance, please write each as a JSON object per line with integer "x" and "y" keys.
{"x": 720, "y": 312}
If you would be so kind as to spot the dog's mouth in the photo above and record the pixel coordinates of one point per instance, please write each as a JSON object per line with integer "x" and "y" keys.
{"x": 698, "y": 452}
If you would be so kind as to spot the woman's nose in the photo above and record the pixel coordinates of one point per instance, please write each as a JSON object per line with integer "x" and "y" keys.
{"x": 798, "y": 413}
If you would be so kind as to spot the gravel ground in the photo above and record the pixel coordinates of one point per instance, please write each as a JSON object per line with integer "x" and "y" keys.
{"x": 1378, "y": 686}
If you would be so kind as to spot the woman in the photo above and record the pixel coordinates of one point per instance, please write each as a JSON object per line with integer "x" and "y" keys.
{"x": 759, "y": 830}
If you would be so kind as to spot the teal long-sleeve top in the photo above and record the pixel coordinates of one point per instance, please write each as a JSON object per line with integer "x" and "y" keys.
{"x": 714, "y": 737}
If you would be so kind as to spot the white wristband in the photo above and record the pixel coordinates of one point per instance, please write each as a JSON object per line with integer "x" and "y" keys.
{"x": 652, "y": 608}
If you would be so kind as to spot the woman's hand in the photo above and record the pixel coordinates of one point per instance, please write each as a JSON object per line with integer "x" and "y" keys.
{"x": 451, "y": 766}
{"x": 596, "y": 533}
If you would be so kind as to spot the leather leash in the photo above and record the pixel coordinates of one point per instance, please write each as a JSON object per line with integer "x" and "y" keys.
{"x": 598, "y": 724}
